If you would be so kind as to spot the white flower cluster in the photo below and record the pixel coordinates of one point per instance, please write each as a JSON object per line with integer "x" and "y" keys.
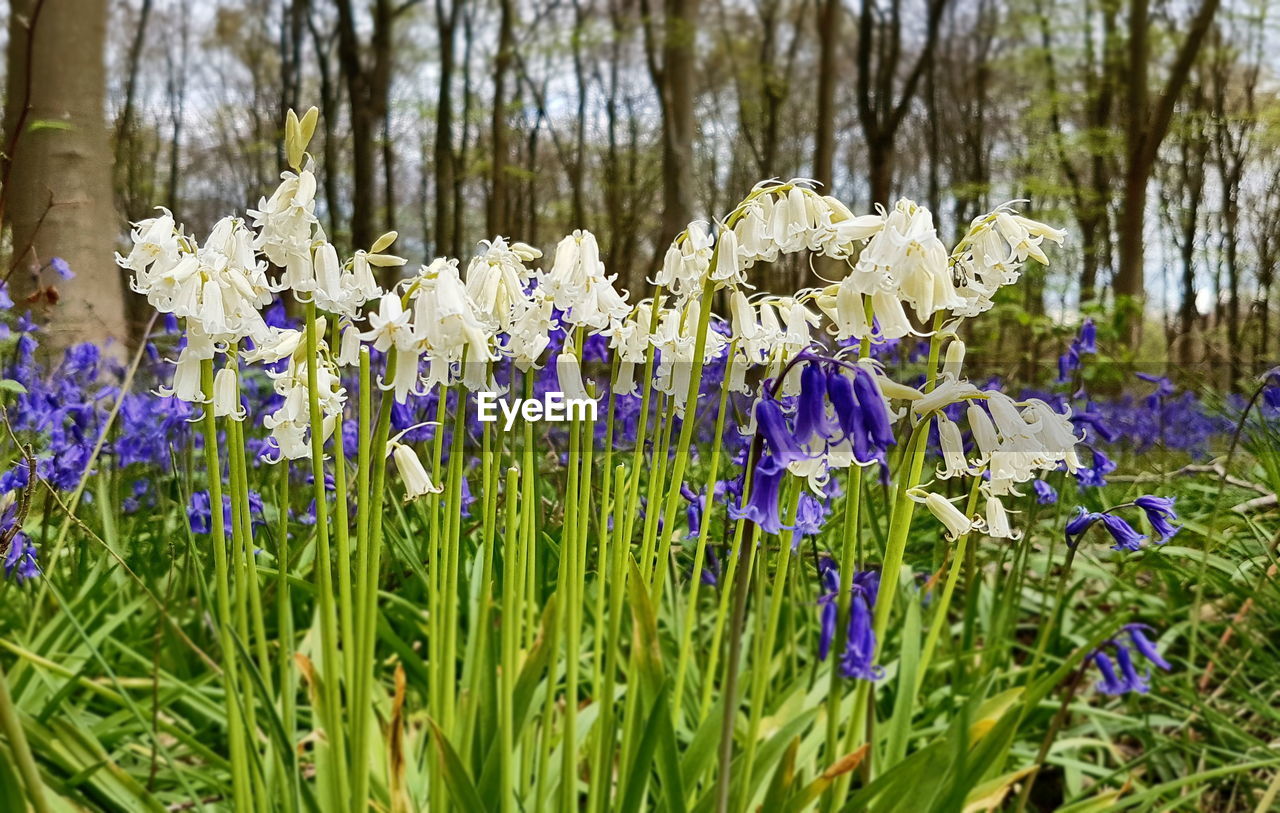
{"x": 992, "y": 253}
{"x": 1013, "y": 441}
{"x": 439, "y": 326}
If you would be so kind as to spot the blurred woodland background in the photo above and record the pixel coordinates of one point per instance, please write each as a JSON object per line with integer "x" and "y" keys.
{"x": 1147, "y": 128}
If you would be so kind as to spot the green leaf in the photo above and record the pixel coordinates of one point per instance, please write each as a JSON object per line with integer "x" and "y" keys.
{"x": 461, "y": 790}
{"x": 9, "y": 385}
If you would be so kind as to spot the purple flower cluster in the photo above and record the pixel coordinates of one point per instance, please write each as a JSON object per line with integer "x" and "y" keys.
{"x": 1121, "y": 675}
{"x": 1158, "y": 510}
{"x": 857, "y": 659}
{"x": 1085, "y": 343}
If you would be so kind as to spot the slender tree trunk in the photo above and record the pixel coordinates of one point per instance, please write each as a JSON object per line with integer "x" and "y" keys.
{"x": 368, "y": 84}
{"x": 497, "y": 220}
{"x": 578, "y": 171}
{"x": 679, "y": 66}
{"x": 446, "y": 25}
{"x": 1146, "y": 129}
{"x": 57, "y": 175}
{"x": 824, "y": 148}
{"x": 388, "y": 174}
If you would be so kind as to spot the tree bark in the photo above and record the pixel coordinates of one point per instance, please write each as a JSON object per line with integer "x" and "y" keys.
{"x": 368, "y": 86}
{"x": 57, "y": 194}
{"x": 881, "y": 108}
{"x": 497, "y": 219}
{"x": 672, "y": 63}
{"x": 446, "y": 26}
{"x": 1146, "y": 129}
{"x": 824, "y": 148}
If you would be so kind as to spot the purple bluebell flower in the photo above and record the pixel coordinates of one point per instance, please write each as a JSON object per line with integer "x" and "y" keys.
{"x": 1147, "y": 649}
{"x": 849, "y": 415}
{"x": 711, "y": 570}
{"x": 1087, "y": 342}
{"x": 772, "y": 424}
{"x": 6, "y": 301}
{"x": 1164, "y": 388}
{"x": 199, "y": 515}
{"x": 20, "y": 559}
{"x": 1068, "y": 363}
{"x": 466, "y": 497}
{"x": 1129, "y": 672}
{"x": 874, "y": 413}
{"x": 62, "y": 268}
{"x": 693, "y": 511}
{"x": 1080, "y": 523}
{"x": 762, "y": 505}
{"x": 811, "y": 515}
{"x": 1095, "y": 476}
{"x": 1045, "y": 493}
{"x": 860, "y": 641}
{"x": 1093, "y": 419}
{"x": 1122, "y": 532}
{"x": 811, "y": 407}
{"x": 1159, "y": 511}
{"x": 15, "y": 478}
{"x": 1110, "y": 683}
{"x": 860, "y": 647}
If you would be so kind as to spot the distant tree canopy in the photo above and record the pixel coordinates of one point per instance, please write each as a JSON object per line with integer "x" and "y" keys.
{"x": 1149, "y": 129}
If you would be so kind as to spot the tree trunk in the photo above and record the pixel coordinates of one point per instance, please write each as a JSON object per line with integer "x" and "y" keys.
{"x": 824, "y": 148}
{"x": 446, "y": 25}
{"x": 1146, "y": 128}
{"x": 497, "y": 220}
{"x": 679, "y": 65}
{"x": 57, "y": 191}
{"x": 367, "y": 99}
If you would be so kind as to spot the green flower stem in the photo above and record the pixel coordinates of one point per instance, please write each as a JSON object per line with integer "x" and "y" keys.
{"x": 342, "y": 547}
{"x": 289, "y": 789}
{"x": 240, "y": 781}
{"x": 453, "y": 541}
{"x": 658, "y": 576}
{"x": 699, "y": 556}
{"x": 760, "y": 670}
{"x": 899, "y": 525}
{"x": 330, "y": 675}
{"x": 657, "y": 476}
{"x": 248, "y": 595}
{"x": 642, "y": 430}
{"x": 510, "y": 638}
{"x": 598, "y": 632}
{"x": 848, "y": 566}
{"x": 606, "y": 728}
{"x": 569, "y": 593}
{"x": 370, "y": 557}
{"x": 727, "y": 590}
{"x": 850, "y": 559}
{"x": 944, "y": 603}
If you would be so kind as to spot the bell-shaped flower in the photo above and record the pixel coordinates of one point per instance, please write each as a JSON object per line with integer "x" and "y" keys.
{"x": 412, "y": 473}
{"x": 762, "y": 505}
{"x": 1122, "y": 532}
{"x": 1159, "y": 511}
{"x": 811, "y": 408}
{"x": 226, "y": 395}
{"x": 954, "y": 462}
{"x": 952, "y": 518}
{"x": 781, "y": 440}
